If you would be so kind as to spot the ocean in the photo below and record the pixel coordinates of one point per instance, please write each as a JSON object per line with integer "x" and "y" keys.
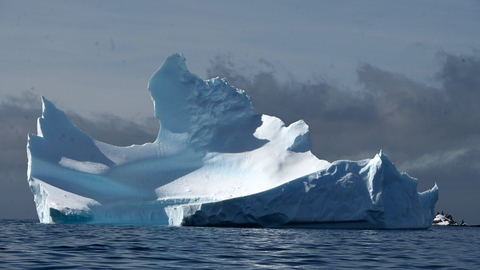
{"x": 30, "y": 245}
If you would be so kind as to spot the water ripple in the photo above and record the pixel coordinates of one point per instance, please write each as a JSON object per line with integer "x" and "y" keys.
{"x": 26, "y": 244}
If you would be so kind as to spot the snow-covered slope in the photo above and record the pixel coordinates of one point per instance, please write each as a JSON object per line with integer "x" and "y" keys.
{"x": 213, "y": 163}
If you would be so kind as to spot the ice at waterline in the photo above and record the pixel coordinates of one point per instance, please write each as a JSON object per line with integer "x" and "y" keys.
{"x": 214, "y": 163}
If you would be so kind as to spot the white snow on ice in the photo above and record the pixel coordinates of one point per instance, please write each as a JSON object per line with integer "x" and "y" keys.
{"x": 214, "y": 163}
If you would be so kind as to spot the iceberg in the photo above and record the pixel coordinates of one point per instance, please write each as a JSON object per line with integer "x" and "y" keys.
{"x": 214, "y": 163}
{"x": 442, "y": 219}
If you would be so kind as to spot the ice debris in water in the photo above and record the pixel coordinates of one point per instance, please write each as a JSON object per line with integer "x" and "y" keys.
{"x": 214, "y": 163}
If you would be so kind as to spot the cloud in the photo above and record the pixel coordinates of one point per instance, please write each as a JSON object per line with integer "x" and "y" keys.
{"x": 460, "y": 79}
{"x": 18, "y": 115}
{"x": 422, "y": 128}
{"x": 388, "y": 110}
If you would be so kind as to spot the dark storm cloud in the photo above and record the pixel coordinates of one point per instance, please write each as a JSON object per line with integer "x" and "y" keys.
{"x": 432, "y": 132}
{"x": 460, "y": 78}
{"x": 388, "y": 110}
{"x": 18, "y": 116}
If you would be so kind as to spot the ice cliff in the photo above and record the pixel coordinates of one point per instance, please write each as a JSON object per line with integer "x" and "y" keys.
{"x": 214, "y": 163}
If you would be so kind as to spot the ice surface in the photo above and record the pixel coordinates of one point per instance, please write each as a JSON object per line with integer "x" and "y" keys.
{"x": 214, "y": 163}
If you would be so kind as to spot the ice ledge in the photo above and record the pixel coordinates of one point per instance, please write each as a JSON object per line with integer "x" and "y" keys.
{"x": 53, "y": 202}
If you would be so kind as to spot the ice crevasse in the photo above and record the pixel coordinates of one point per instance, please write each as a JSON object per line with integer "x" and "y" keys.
{"x": 214, "y": 163}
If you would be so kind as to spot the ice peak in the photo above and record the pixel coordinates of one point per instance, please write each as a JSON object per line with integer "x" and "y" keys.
{"x": 171, "y": 87}
{"x": 51, "y": 116}
{"x": 208, "y": 111}
{"x": 47, "y": 106}
{"x": 383, "y": 159}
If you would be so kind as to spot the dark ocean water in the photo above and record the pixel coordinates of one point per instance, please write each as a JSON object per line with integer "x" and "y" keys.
{"x": 27, "y": 244}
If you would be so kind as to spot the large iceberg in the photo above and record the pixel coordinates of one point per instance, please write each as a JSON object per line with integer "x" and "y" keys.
{"x": 214, "y": 163}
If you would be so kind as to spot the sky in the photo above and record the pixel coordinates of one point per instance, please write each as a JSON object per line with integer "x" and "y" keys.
{"x": 365, "y": 75}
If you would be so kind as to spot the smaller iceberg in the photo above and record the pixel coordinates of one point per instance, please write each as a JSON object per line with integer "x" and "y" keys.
{"x": 442, "y": 219}
{"x": 214, "y": 163}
